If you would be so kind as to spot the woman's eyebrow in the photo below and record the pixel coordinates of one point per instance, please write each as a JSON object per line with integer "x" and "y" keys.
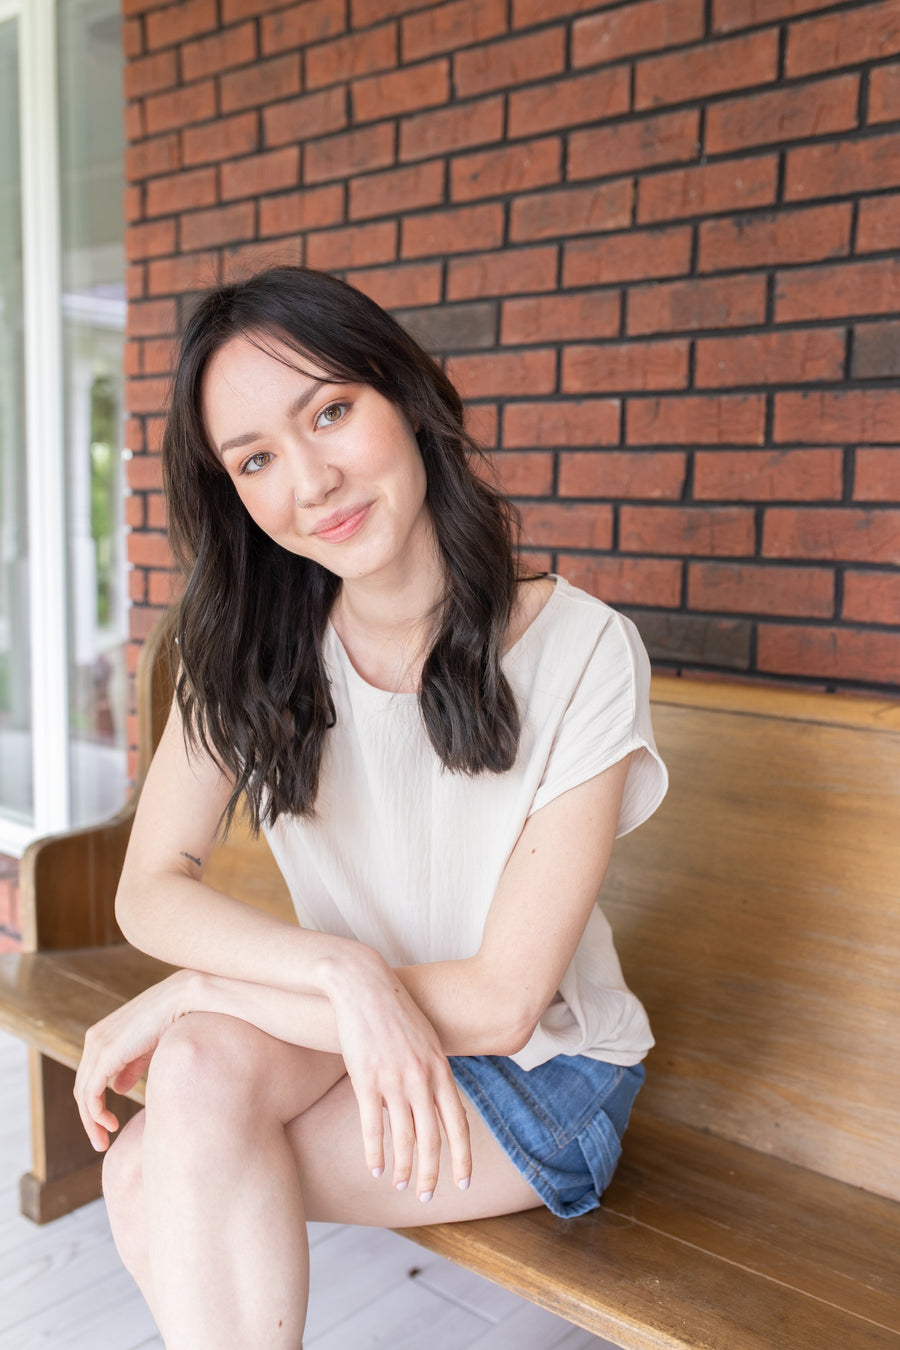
{"x": 248, "y": 437}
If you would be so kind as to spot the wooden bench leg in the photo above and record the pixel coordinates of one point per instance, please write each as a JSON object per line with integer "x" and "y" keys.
{"x": 66, "y": 1170}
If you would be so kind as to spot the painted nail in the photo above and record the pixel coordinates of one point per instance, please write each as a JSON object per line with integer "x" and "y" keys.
{"x": 426, "y": 1196}
{"x": 401, "y": 1185}
{"x": 464, "y": 1184}
{"x": 377, "y": 1172}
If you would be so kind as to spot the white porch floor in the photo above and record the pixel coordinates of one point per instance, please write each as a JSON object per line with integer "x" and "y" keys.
{"x": 62, "y": 1287}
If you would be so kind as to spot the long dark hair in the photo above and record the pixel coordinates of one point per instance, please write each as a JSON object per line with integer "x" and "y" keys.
{"x": 252, "y": 686}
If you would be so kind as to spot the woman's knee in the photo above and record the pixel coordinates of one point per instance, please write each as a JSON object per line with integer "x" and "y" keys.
{"x": 204, "y": 1064}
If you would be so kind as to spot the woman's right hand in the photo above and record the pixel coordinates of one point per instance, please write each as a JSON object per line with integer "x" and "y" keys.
{"x": 396, "y": 1065}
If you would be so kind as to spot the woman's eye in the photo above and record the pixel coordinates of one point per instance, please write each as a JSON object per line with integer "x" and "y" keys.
{"x": 333, "y": 413}
{"x": 256, "y": 462}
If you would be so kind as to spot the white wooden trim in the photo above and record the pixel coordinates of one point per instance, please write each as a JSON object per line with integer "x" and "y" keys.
{"x": 14, "y": 839}
{"x": 10, "y": 9}
{"x": 44, "y": 421}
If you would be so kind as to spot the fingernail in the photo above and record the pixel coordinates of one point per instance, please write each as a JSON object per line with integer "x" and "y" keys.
{"x": 377, "y": 1172}
{"x": 464, "y": 1184}
{"x": 426, "y": 1196}
{"x": 401, "y": 1185}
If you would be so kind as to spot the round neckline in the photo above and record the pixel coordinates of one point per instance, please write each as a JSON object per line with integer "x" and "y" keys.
{"x": 373, "y": 691}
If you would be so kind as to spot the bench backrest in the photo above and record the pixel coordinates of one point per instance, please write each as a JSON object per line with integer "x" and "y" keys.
{"x": 757, "y": 915}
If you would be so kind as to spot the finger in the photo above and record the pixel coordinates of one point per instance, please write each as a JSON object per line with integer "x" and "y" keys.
{"x": 428, "y": 1149}
{"x": 403, "y": 1142}
{"x": 371, "y": 1118}
{"x": 456, "y": 1127}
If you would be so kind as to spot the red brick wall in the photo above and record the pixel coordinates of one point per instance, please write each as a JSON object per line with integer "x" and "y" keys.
{"x": 653, "y": 238}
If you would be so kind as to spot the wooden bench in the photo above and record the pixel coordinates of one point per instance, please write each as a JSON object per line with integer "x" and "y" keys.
{"x": 757, "y": 915}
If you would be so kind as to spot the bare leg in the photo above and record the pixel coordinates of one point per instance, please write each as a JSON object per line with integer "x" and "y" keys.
{"x": 245, "y": 1137}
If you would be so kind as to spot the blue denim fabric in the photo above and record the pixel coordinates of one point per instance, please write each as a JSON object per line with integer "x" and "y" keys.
{"x": 561, "y": 1123}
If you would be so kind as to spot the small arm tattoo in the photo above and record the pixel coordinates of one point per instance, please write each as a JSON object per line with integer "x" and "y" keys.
{"x": 190, "y": 857}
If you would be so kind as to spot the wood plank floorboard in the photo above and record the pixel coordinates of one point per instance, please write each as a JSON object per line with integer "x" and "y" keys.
{"x": 62, "y": 1286}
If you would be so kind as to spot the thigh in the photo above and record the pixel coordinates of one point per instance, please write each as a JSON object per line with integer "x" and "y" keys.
{"x": 327, "y": 1144}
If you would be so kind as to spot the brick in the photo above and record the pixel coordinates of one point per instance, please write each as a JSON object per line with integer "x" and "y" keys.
{"x": 877, "y": 475}
{"x": 223, "y": 139}
{"x": 149, "y": 550}
{"x": 150, "y": 241}
{"x": 639, "y": 144}
{"x": 365, "y": 12}
{"x": 348, "y": 58}
{"x": 220, "y": 51}
{"x": 872, "y": 597}
{"x": 768, "y": 475}
{"x": 729, "y": 15}
{"x": 747, "y": 588}
{"x": 636, "y": 255}
{"x": 461, "y": 229}
{"x": 509, "y": 272}
{"x": 353, "y": 246}
{"x": 504, "y": 374}
{"x": 858, "y": 655}
{"x": 863, "y": 33}
{"x": 876, "y": 351}
{"x": 302, "y": 119}
{"x": 641, "y": 27}
{"x": 409, "y": 284}
{"x": 524, "y": 473}
{"x": 701, "y": 419}
{"x": 838, "y": 417}
{"x": 811, "y": 234}
{"x": 180, "y": 107}
{"x": 137, "y": 579}
{"x": 135, "y": 281}
{"x": 621, "y": 474}
{"x": 262, "y": 82}
{"x": 240, "y": 261}
{"x": 719, "y": 531}
{"x": 684, "y": 306}
{"x": 302, "y": 24}
{"x": 181, "y": 192}
{"x": 559, "y": 318}
{"x": 143, "y": 620}
{"x": 626, "y": 581}
{"x": 509, "y": 62}
{"x": 156, "y": 512}
{"x": 135, "y": 128}
{"x": 787, "y": 114}
{"x": 219, "y": 225}
{"x": 793, "y": 357}
{"x": 146, "y": 395}
{"x": 397, "y": 190}
{"x": 561, "y": 422}
{"x": 451, "y": 328}
{"x": 144, "y": 473}
{"x": 133, "y": 203}
{"x": 451, "y": 129}
{"x": 149, "y": 74}
{"x": 705, "y": 189}
{"x": 834, "y": 534}
{"x": 621, "y": 366}
{"x": 447, "y": 27}
{"x": 871, "y": 287}
{"x": 841, "y": 168}
{"x": 690, "y": 640}
{"x": 294, "y": 212}
{"x": 155, "y": 427}
{"x": 564, "y": 103}
{"x": 257, "y": 174}
{"x": 162, "y": 588}
{"x": 132, "y": 38}
{"x": 350, "y": 153}
{"x": 583, "y": 210}
{"x": 714, "y": 68}
{"x": 878, "y": 226}
{"x": 507, "y": 169}
{"x": 528, "y": 12}
{"x": 133, "y": 358}
{"x": 187, "y": 19}
{"x": 884, "y": 94}
{"x": 150, "y": 318}
{"x": 402, "y": 91}
{"x": 565, "y": 525}
{"x": 481, "y": 421}
{"x": 150, "y": 158}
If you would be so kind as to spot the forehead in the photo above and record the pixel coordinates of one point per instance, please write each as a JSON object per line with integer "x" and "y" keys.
{"x": 245, "y": 377}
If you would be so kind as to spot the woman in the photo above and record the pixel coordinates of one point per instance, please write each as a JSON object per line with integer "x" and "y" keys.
{"x": 441, "y": 752}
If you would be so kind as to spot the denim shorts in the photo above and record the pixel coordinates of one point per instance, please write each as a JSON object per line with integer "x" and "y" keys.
{"x": 561, "y": 1123}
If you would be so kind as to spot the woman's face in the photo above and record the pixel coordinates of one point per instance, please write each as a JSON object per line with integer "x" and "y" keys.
{"x": 329, "y": 471}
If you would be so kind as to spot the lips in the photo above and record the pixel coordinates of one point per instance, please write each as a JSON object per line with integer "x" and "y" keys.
{"x": 334, "y": 529}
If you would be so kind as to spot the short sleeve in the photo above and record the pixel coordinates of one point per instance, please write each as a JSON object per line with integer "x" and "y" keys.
{"x": 607, "y": 718}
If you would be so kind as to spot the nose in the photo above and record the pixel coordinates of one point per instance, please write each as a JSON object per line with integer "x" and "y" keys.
{"x": 314, "y": 483}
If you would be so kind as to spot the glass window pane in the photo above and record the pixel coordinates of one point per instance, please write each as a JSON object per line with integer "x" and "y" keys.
{"x": 93, "y": 279}
{"x": 15, "y": 678}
